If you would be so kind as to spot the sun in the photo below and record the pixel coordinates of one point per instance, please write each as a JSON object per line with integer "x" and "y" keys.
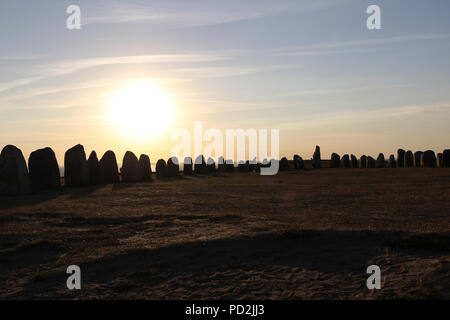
{"x": 140, "y": 110}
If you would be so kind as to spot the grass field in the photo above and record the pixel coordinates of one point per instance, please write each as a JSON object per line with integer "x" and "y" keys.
{"x": 298, "y": 235}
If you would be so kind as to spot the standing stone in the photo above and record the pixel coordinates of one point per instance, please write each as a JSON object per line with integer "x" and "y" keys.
{"x": 253, "y": 165}
{"x": 354, "y": 161}
{"x": 335, "y": 160}
{"x": 392, "y": 163}
{"x": 108, "y": 166}
{"x": 187, "y": 166}
{"x": 44, "y": 170}
{"x": 14, "y": 179}
{"x": 363, "y": 162}
{"x": 229, "y": 165}
{"x": 130, "y": 168}
{"x": 145, "y": 167}
{"x": 446, "y": 158}
{"x": 428, "y": 159}
{"x": 200, "y": 165}
{"x": 316, "y": 161}
{"x": 439, "y": 160}
{"x": 346, "y": 161}
{"x": 221, "y": 166}
{"x": 76, "y": 170}
{"x": 284, "y": 164}
{"x": 161, "y": 169}
{"x": 409, "y": 159}
{"x": 298, "y": 162}
{"x": 371, "y": 163}
{"x": 381, "y": 162}
{"x": 242, "y": 167}
{"x": 173, "y": 167}
{"x": 400, "y": 158}
{"x": 211, "y": 165}
{"x": 417, "y": 159}
{"x": 95, "y": 174}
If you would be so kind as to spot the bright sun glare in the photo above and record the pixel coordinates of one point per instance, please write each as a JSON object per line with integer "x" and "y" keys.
{"x": 140, "y": 110}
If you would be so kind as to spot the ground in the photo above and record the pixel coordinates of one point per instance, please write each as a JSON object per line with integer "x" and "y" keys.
{"x": 298, "y": 235}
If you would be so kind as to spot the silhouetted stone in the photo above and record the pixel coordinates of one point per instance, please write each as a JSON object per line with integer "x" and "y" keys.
{"x": 428, "y": 159}
{"x": 145, "y": 167}
{"x": 43, "y": 170}
{"x": 400, "y": 158}
{"x": 14, "y": 179}
{"x": 446, "y": 158}
{"x": 284, "y": 164}
{"x": 371, "y": 163}
{"x": 221, "y": 166}
{"x": 161, "y": 169}
{"x": 316, "y": 161}
{"x": 173, "y": 167}
{"x": 417, "y": 159}
{"x": 76, "y": 170}
{"x": 242, "y": 167}
{"x": 298, "y": 162}
{"x": 363, "y": 162}
{"x": 392, "y": 163}
{"x": 187, "y": 166}
{"x": 381, "y": 162}
{"x": 439, "y": 160}
{"x": 130, "y": 168}
{"x": 108, "y": 166}
{"x": 95, "y": 174}
{"x": 229, "y": 165}
{"x": 345, "y": 161}
{"x": 409, "y": 159}
{"x": 335, "y": 160}
{"x": 200, "y": 165}
{"x": 211, "y": 165}
{"x": 253, "y": 165}
{"x": 354, "y": 161}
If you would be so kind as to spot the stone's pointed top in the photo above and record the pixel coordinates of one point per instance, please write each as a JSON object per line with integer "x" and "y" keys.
{"x": 130, "y": 168}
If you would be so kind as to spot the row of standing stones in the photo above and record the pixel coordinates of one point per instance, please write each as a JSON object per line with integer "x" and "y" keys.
{"x": 42, "y": 172}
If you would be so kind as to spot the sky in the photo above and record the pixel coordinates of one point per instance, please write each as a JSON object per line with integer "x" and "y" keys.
{"x": 311, "y": 69}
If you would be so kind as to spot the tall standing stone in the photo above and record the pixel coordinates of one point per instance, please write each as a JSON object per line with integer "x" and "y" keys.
{"x": 161, "y": 169}
{"x": 95, "y": 174}
{"x": 200, "y": 165}
{"x": 409, "y": 159}
{"x": 173, "y": 167}
{"x": 145, "y": 167}
{"x": 363, "y": 162}
{"x": 335, "y": 160}
{"x": 446, "y": 158}
{"x": 14, "y": 178}
{"x": 371, "y": 163}
{"x": 392, "y": 163}
{"x": 109, "y": 168}
{"x": 187, "y": 166}
{"x": 345, "y": 161}
{"x": 417, "y": 159}
{"x": 221, "y": 166}
{"x": 43, "y": 170}
{"x": 381, "y": 162}
{"x": 76, "y": 170}
{"x": 130, "y": 168}
{"x": 316, "y": 161}
{"x": 211, "y": 165}
{"x": 354, "y": 161}
{"x": 428, "y": 159}
{"x": 400, "y": 158}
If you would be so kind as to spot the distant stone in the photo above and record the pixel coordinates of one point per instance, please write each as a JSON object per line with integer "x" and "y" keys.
{"x": 253, "y": 165}
{"x": 161, "y": 169}
{"x": 428, "y": 159}
{"x": 284, "y": 164}
{"x": 242, "y": 166}
{"x": 130, "y": 168}
{"x": 221, "y": 166}
{"x": 145, "y": 167}
{"x": 335, "y": 160}
{"x": 173, "y": 167}
{"x": 211, "y": 165}
{"x": 298, "y": 162}
{"x": 229, "y": 165}
{"x": 43, "y": 170}
{"x": 392, "y": 163}
{"x": 76, "y": 170}
{"x": 95, "y": 174}
{"x": 400, "y": 158}
{"x": 14, "y": 178}
{"x": 363, "y": 162}
{"x": 381, "y": 162}
{"x": 200, "y": 165}
{"x": 108, "y": 166}
{"x": 409, "y": 159}
{"x": 354, "y": 161}
{"x": 345, "y": 161}
{"x": 187, "y": 166}
{"x": 371, "y": 163}
{"x": 439, "y": 160}
{"x": 417, "y": 159}
{"x": 446, "y": 158}
{"x": 316, "y": 161}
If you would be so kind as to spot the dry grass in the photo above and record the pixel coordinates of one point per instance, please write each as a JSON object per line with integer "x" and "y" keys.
{"x": 305, "y": 235}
